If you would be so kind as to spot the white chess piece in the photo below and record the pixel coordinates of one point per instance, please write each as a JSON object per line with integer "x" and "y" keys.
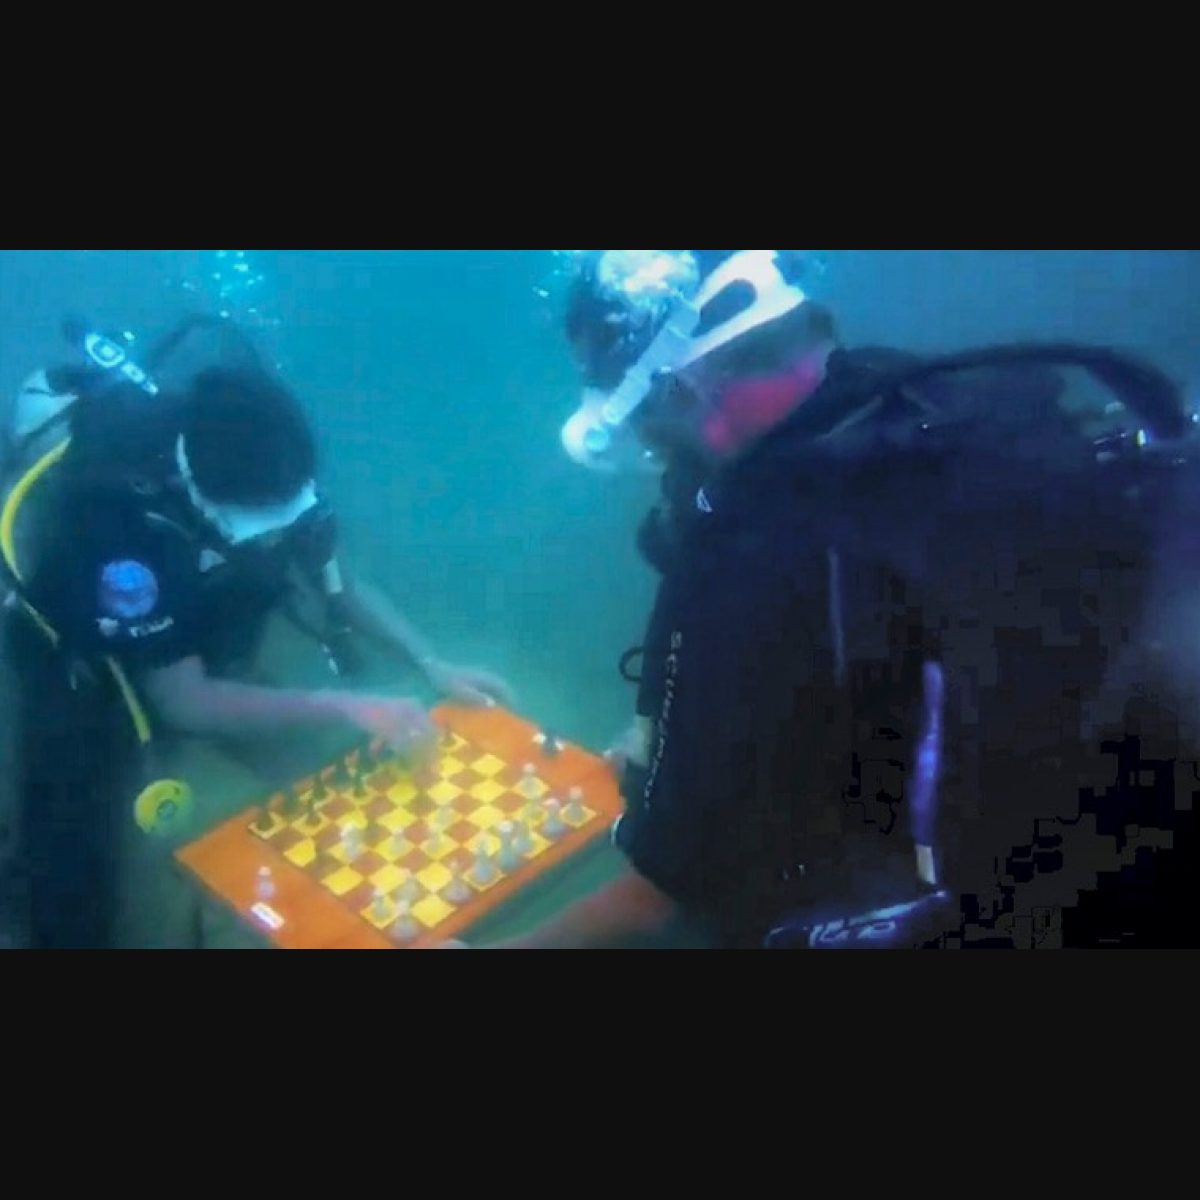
{"x": 509, "y": 860}
{"x": 554, "y": 827}
{"x": 458, "y": 892}
{"x": 523, "y": 843}
{"x": 576, "y": 814}
{"x": 529, "y": 782}
{"x": 484, "y": 871}
{"x": 405, "y": 927}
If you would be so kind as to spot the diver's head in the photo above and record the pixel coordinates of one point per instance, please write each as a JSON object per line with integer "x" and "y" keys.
{"x": 688, "y": 351}
{"x": 247, "y": 455}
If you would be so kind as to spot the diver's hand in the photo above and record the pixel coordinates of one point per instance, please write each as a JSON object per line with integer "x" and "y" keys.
{"x": 632, "y": 747}
{"x": 470, "y": 686}
{"x": 403, "y": 724}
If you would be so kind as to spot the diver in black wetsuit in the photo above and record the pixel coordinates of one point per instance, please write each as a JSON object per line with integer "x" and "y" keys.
{"x": 923, "y": 643}
{"x": 174, "y": 523}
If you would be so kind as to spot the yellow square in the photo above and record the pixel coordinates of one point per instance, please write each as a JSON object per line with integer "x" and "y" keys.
{"x": 487, "y": 791}
{"x": 393, "y": 851}
{"x": 382, "y": 919}
{"x": 435, "y": 877}
{"x": 586, "y": 817}
{"x": 344, "y": 881}
{"x": 432, "y": 911}
{"x": 397, "y": 820}
{"x": 404, "y": 792}
{"x": 487, "y": 818}
{"x": 489, "y": 766}
{"x": 439, "y": 847}
{"x": 444, "y": 793}
{"x": 532, "y": 789}
{"x": 451, "y": 766}
{"x": 389, "y": 879}
{"x": 484, "y": 841}
{"x": 278, "y": 825}
{"x": 341, "y": 852}
{"x": 312, "y": 828}
{"x": 302, "y": 855}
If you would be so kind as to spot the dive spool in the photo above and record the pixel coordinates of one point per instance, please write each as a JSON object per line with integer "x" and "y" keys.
{"x": 163, "y": 807}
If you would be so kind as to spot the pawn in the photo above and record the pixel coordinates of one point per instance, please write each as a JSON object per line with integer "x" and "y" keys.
{"x": 529, "y": 782}
{"x": 405, "y": 928}
{"x": 382, "y": 908}
{"x": 531, "y": 818}
{"x": 438, "y": 824}
{"x": 484, "y": 871}
{"x": 554, "y": 828}
{"x": 510, "y": 859}
{"x": 410, "y": 891}
{"x": 523, "y": 842}
{"x": 458, "y": 893}
{"x": 576, "y": 814}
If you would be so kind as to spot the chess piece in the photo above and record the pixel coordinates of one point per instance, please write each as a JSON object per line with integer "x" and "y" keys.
{"x": 458, "y": 893}
{"x": 576, "y": 814}
{"x": 529, "y": 782}
{"x": 554, "y": 828}
{"x": 405, "y": 928}
{"x": 509, "y": 860}
{"x": 484, "y": 871}
{"x": 523, "y": 842}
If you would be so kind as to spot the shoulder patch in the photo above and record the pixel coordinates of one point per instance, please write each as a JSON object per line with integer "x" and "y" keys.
{"x": 128, "y": 590}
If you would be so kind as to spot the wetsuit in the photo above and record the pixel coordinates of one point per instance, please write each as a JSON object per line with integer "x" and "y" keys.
{"x": 785, "y": 665}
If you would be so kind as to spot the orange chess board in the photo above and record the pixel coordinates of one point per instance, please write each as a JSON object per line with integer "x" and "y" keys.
{"x": 368, "y": 855}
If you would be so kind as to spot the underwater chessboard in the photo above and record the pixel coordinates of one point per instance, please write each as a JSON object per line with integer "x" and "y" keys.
{"x": 367, "y": 854}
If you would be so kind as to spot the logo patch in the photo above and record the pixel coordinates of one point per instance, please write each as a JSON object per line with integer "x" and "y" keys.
{"x": 128, "y": 591}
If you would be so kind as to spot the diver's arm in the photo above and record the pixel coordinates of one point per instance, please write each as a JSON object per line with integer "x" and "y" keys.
{"x": 629, "y": 907}
{"x": 188, "y": 700}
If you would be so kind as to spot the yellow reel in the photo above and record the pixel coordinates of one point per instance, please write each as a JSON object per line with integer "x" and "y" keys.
{"x": 163, "y": 806}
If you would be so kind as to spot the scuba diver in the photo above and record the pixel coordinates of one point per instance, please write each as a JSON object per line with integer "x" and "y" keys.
{"x": 159, "y": 528}
{"x": 923, "y": 668}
